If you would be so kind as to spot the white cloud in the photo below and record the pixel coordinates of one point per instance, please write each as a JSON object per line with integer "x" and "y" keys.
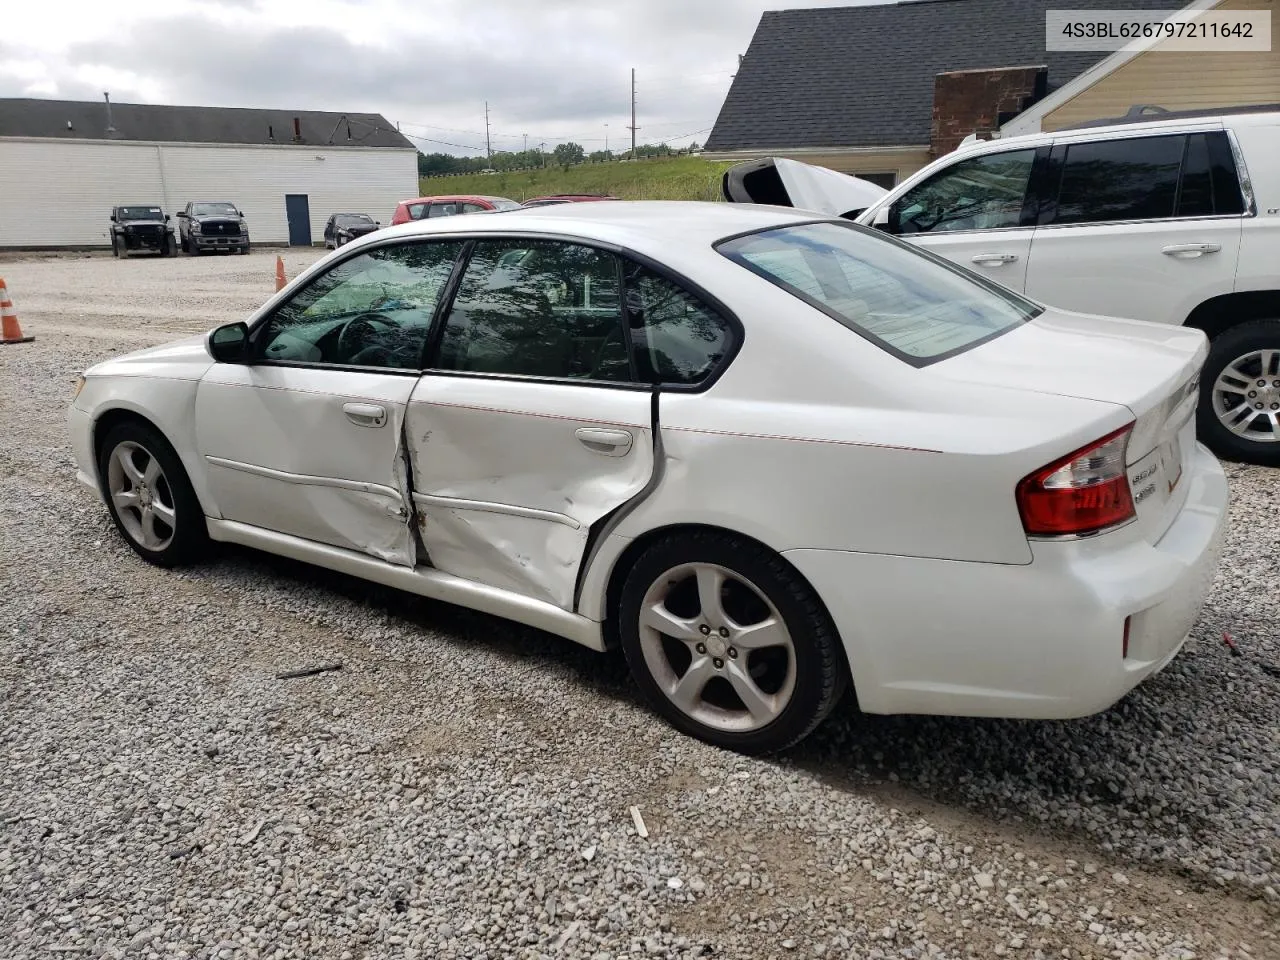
{"x": 554, "y": 69}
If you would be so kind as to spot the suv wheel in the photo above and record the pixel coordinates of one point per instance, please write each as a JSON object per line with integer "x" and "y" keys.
{"x": 1239, "y": 415}
{"x": 115, "y": 246}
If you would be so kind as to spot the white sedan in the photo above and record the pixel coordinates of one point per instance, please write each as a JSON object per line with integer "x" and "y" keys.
{"x": 767, "y": 455}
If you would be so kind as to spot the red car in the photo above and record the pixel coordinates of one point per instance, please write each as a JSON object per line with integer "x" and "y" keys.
{"x": 566, "y": 198}
{"x": 424, "y": 207}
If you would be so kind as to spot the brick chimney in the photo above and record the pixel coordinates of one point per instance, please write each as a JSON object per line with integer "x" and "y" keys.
{"x": 979, "y": 101}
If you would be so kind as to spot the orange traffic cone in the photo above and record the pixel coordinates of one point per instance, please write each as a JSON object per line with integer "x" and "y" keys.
{"x": 10, "y": 332}
{"x": 280, "y": 281}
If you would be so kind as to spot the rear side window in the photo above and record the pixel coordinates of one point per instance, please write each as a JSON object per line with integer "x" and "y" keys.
{"x": 677, "y": 338}
{"x": 445, "y": 209}
{"x": 1135, "y": 179}
{"x": 417, "y": 211}
{"x": 473, "y": 208}
{"x": 909, "y": 302}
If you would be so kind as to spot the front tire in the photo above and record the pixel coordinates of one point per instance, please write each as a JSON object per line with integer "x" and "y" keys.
{"x": 729, "y": 643}
{"x": 150, "y": 497}
{"x": 115, "y": 247}
{"x": 1239, "y": 413}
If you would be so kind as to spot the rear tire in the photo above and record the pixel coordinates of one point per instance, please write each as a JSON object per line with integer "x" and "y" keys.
{"x": 150, "y": 497}
{"x": 1239, "y": 413}
{"x": 729, "y": 643}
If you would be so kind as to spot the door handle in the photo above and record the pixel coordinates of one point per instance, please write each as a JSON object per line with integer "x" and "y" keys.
{"x": 611, "y": 443}
{"x": 365, "y": 414}
{"x": 1187, "y": 251}
{"x": 995, "y": 259}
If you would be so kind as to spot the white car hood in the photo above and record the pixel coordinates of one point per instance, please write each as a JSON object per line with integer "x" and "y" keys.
{"x": 185, "y": 359}
{"x": 1151, "y": 368}
{"x": 790, "y": 183}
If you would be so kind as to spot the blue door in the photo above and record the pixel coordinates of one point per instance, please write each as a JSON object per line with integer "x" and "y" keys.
{"x": 298, "y": 210}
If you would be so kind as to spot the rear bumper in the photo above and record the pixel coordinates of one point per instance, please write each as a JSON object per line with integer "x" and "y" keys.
{"x": 1040, "y": 641}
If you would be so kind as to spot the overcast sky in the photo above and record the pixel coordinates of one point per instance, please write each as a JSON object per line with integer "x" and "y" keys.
{"x": 554, "y": 69}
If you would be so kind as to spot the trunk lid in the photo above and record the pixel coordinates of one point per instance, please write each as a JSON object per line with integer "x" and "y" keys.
{"x": 790, "y": 183}
{"x": 1152, "y": 369}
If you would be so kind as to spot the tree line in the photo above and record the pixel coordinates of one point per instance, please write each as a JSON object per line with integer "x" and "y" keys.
{"x": 564, "y": 155}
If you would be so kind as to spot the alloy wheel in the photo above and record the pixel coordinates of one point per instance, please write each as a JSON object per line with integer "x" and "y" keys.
{"x": 717, "y": 647}
{"x": 1246, "y": 396}
{"x": 141, "y": 495}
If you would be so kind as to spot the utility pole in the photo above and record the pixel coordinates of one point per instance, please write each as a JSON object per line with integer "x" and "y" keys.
{"x": 488, "y": 150}
{"x": 606, "y": 138}
{"x": 526, "y": 143}
{"x": 632, "y": 128}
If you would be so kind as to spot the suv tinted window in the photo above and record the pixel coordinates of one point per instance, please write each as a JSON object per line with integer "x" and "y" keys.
{"x": 982, "y": 193}
{"x": 538, "y": 308}
{"x": 1134, "y": 179}
{"x": 373, "y": 310}
{"x": 679, "y": 339}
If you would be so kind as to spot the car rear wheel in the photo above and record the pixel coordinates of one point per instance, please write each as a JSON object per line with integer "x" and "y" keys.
{"x": 1239, "y": 415}
{"x": 150, "y": 497}
{"x": 729, "y": 643}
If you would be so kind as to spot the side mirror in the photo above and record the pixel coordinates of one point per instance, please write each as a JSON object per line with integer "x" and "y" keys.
{"x": 239, "y": 213}
{"x": 113, "y": 218}
{"x": 881, "y": 220}
{"x": 166, "y": 218}
{"x": 230, "y": 343}
{"x": 377, "y": 223}
{"x": 182, "y": 215}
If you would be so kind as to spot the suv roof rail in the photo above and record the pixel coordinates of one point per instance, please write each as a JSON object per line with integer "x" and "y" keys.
{"x": 1139, "y": 114}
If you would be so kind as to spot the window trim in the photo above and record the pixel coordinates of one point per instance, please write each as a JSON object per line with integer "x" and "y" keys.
{"x": 1038, "y": 157}
{"x": 918, "y": 362}
{"x": 262, "y": 322}
{"x": 737, "y": 333}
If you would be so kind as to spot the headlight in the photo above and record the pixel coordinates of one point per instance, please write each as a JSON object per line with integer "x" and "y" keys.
{"x": 244, "y": 224}
{"x": 79, "y": 386}
{"x": 195, "y": 226}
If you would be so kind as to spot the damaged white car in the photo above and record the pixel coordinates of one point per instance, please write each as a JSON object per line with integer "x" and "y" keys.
{"x": 768, "y": 455}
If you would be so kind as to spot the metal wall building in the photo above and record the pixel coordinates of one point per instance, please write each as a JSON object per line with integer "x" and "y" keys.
{"x": 64, "y": 164}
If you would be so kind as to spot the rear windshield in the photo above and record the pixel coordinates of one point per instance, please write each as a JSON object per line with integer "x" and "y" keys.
{"x": 912, "y": 303}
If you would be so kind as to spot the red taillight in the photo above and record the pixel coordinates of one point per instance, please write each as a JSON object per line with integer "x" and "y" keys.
{"x": 1084, "y": 492}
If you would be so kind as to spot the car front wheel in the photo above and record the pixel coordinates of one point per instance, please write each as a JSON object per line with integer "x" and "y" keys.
{"x": 729, "y": 643}
{"x": 150, "y": 497}
{"x": 1239, "y": 415}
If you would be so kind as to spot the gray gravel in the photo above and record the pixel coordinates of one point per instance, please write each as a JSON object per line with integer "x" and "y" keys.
{"x": 461, "y": 787}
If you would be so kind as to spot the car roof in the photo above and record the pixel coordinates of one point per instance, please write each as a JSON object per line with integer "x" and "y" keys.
{"x": 657, "y": 225}
{"x": 457, "y": 197}
{"x": 370, "y": 216}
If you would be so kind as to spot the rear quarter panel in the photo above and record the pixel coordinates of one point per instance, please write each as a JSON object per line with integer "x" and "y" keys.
{"x": 1259, "y": 264}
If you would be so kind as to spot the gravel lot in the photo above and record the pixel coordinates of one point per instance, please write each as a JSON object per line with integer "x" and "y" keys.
{"x": 461, "y": 787}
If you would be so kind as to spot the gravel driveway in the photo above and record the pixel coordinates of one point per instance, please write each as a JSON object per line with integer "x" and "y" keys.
{"x": 462, "y": 786}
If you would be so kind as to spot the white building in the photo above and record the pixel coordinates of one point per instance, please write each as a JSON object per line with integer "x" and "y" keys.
{"x": 64, "y": 164}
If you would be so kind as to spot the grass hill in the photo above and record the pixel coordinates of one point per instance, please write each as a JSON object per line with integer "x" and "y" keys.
{"x": 672, "y": 178}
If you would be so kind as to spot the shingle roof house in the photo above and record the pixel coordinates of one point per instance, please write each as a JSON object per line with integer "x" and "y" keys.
{"x": 858, "y": 88}
{"x": 94, "y": 120}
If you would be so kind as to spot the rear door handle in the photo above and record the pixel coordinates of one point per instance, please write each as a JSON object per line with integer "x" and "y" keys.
{"x": 365, "y": 414}
{"x": 611, "y": 443}
{"x": 1187, "y": 251}
{"x": 995, "y": 259}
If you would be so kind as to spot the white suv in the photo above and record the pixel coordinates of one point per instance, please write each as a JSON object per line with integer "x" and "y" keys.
{"x": 1175, "y": 220}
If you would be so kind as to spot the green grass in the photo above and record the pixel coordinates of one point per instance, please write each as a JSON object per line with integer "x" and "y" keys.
{"x": 674, "y": 178}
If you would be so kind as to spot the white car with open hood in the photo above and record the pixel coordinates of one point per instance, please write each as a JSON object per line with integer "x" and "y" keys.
{"x": 767, "y": 455}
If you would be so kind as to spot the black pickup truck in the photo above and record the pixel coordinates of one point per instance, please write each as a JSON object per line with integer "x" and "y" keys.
{"x": 212, "y": 225}
{"x": 140, "y": 226}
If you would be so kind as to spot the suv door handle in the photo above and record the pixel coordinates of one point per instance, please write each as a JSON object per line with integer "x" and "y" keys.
{"x": 611, "y": 443}
{"x": 365, "y": 414}
{"x": 995, "y": 259}
{"x": 1187, "y": 251}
